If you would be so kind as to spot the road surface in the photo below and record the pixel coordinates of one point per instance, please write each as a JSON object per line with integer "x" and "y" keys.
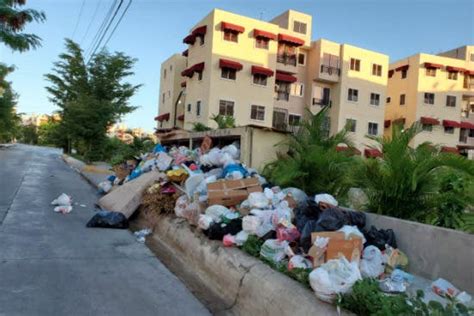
{"x": 51, "y": 264}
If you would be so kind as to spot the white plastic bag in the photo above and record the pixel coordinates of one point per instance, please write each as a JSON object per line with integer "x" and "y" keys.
{"x": 163, "y": 161}
{"x": 299, "y": 261}
{"x": 63, "y": 209}
{"x": 241, "y": 237}
{"x": 232, "y": 150}
{"x": 258, "y": 200}
{"x": 204, "y": 221}
{"x": 63, "y": 199}
{"x": 325, "y": 198}
{"x": 352, "y": 231}
{"x": 372, "y": 263}
{"x": 251, "y": 223}
{"x": 180, "y": 206}
{"x": 105, "y": 186}
{"x": 333, "y": 277}
{"x": 192, "y": 183}
{"x": 216, "y": 212}
{"x": 274, "y": 250}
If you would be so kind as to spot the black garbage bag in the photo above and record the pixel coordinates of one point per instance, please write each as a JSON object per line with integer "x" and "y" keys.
{"x": 330, "y": 219}
{"x": 308, "y": 211}
{"x": 380, "y": 238}
{"x": 217, "y": 231}
{"x": 108, "y": 219}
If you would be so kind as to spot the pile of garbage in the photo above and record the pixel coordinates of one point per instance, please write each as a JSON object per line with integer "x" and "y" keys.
{"x": 231, "y": 203}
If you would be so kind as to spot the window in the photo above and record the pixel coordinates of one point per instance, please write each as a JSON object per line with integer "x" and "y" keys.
{"x": 297, "y": 89}
{"x": 228, "y": 73}
{"x": 427, "y": 127}
{"x": 471, "y": 132}
{"x": 260, "y": 79}
{"x": 449, "y": 130}
{"x": 301, "y": 59}
{"x": 169, "y": 93}
{"x": 375, "y": 99}
{"x": 261, "y": 42}
{"x": 377, "y": 70}
{"x": 321, "y": 96}
{"x": 294, "y": 120}
{"x": 355, "y": 64}
{"x": 200, "y": 75}
{"x": 198, "y": 108}
{"x": 431, "y": 72}
{"x": 472, "y": 59}
{"x": 453, "y": 75}
{"x": 373, "y": 128}
{"x": 404, "y": 74}
{"x": 388, "y": 99}
{"x": 231, "y": 36}
{"x": 226, "y": 108}
{"x": 299, "y": 27}
{"x": 429, "y": 98}
{"x": 257, "y": 113}
{"x": 351, "y": 125}
{"x": 282, "y": 91}
{"x": 451, "y": 101}
{"x": 353, "y": 95}
{"x": 164, "y": 74}
{"x": 201, "y": 40}
{"x": 189, "y": 107}
{"x": 163, "y": 96}
{"x": 171, "y": 67}
{"x": 402, "y": 99}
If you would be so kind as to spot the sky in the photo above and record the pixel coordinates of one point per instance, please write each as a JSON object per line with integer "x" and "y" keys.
{"x": 152, "y": 30}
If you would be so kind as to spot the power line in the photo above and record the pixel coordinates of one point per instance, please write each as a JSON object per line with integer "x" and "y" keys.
{"x": 106, "y": 30}
{"x": 101, "y": 27}
{"x": 92, "y": 20}
{"x": 78, "y": 18}
{"x": 120, "y": 20}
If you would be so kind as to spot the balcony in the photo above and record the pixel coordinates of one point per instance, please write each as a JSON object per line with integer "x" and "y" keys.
{"x": 287, "y": 60}
{"x": 328, "y": 73}
{"x": 330, "y": 70}
{"x": 322, "y": 102}
{"x": 282, "y": 95}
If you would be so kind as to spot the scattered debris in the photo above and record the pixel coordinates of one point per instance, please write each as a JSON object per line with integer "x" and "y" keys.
{"x": 108, "y": 219}
{"x": 141, "y": 234}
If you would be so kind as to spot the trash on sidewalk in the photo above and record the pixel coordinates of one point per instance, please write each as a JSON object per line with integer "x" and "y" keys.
{"x": 108, "y": 219}
{"x": 63, "y": 209}
{"x": 141, "y": 234}
{"x": 63, "y": 199}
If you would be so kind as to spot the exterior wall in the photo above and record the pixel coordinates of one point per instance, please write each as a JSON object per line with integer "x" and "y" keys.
{"x": 465, "y": 53}
{"x": 170, "y": 87}
{"x": 263, "y": 147}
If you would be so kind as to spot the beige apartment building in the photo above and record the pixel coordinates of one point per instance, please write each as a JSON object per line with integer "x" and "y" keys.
{"x": 438, "y": 91}
{"x": 269, "y": 74}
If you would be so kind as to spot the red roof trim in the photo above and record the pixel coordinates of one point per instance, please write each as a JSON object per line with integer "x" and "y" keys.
{"x": 291, "y": 40}
{"x": 467, "y": 125}
{"x": 469, "y": 72}
{"x": 187, "y": 72}
{"x": 181, "y": 117}
{"x": 226, "y": 26}
{"x": 262, "y": 71}
{"x": 190, "y": 39}
{"x": 455, "y": 69}
{"x": 433, "y": 65}
{"x": 387, "y": 123}
{"x": 285, "y": 77}
{"x": 198, "y": 67}
{"x": 162, "y": 117}
{"x": 225, "y": 63}
{"x": 264, "y": 34}
{"x": 404, "y": 67}
{"x": 200, "y": 31}
{"x": 449, "y": 123}
{"x": 372, "y": 153}
{"x": 429, "y": 121}
{"x": 185, "y": 53}
{"x": 446, "y": 149}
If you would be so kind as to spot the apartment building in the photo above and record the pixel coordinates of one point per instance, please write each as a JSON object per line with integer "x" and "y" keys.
{"x": 270, "y": 74}
{"x": 438, "y": 91}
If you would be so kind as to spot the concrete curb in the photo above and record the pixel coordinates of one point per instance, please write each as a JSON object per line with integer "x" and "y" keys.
{"x": 244, "y": 285}
{"x": 90, "y": 173}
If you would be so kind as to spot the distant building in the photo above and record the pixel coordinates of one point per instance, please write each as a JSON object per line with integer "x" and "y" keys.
{"x": 438, "y": 91}
{"x": 39, "y": 119}
{"x": 269, "y": 74}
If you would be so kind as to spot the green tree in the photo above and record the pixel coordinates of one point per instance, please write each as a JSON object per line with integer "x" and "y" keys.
{"x": 29, "y": 134}
{"x": 312, "y": 162}
{"x": 13, "y": 21}
{"x": 9, "y": 119}
{"x": 405, "y": 183}
{"x": 91, "y": 97}
{"x": 224, "y": 121}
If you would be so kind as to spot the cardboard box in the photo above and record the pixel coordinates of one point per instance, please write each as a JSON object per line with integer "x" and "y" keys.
{"x": 231, "y": 192}
{"x": 337, "y": 245}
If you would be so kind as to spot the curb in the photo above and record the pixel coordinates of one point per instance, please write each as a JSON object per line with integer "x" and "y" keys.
{"x": 244, "y": 285}
{"x": 73, "y": 163}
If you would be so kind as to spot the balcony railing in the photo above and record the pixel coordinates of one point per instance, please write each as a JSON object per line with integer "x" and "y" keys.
{"x": 330, "y": 70}
{"x": 282, "y": 95}
{"x": 463, "y": 139}
{"x": 286, "y": 59}
{"x": 322, "y": 102}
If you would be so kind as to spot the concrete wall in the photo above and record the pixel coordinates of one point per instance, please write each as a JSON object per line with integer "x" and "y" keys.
{"x": 433, "y": 252}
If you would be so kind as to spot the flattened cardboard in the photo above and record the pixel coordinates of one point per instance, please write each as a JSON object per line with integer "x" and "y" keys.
{"x": 231, "y": 192}
{"x": 337, "y": 245}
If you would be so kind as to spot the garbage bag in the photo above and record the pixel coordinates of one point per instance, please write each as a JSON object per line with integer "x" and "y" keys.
{"x": 299, "y": 261}
{"x": 217, "y": 231}
{"x": 181, "y": 204}
{"x": 325, "y": 198}
{"x": 395, "y": 258}
{"x": 258, "y": 200}
{"x": 216, "y": 212}
{"x": 298, "y": 195}
{"x": 232, "y": 150}
{"x": 159, "y": 149}
{"x": 241, "y": 237}
{"x": 333, "y": 277}
{"x": 234, "y": 171}
{"x": 63, "y": 209}
{"x": 204, "y": 221}
{"x": 307, "y": 211}
{"x": 108, "y": 219}
{"x": 63, "y": 199}
{"x": 273, "y": 250}
{"x": 372, "y": 263}
{"x": 251, "y": 223}
{"x": 104, "y": 186}
{"x": 228, "y": 240}
{"x": 352, "y": 231}
{"x": 380, "y": 238}
{"x": 287, "y": 233}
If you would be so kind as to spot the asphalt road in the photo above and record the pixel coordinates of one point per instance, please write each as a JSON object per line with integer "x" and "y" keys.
{"x": 51, "y": 264}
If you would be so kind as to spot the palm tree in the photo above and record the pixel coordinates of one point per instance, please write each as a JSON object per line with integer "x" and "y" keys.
{"x": 13, "y": 20}
{"x": 405, "y": 182}
{"x": 312, "y": 161}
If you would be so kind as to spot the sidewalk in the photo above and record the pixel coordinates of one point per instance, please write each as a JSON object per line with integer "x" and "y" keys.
{"x": 94, "y": 174}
